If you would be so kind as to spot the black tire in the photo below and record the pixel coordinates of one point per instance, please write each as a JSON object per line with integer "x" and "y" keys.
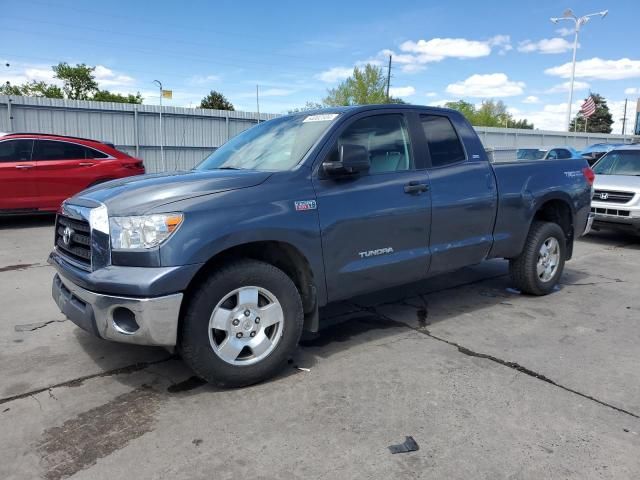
{"x": 194, "y": 345}
{"x": 523, "y": 268}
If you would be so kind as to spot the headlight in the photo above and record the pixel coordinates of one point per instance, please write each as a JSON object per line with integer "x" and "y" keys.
{"x": 144, "y": 231}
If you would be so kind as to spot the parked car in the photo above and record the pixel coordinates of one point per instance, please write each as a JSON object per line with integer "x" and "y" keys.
{"x": 38, "y": 171}
{"x": 553, "y": 153}
{"x": 593, "y": 152}
{"x": 229, "y": 262}
{"x": 530, "y": 154}
{"x": 616, "y": 196}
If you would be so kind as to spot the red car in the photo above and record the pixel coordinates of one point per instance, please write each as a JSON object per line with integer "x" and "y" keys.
{"x": 39, "y": 171}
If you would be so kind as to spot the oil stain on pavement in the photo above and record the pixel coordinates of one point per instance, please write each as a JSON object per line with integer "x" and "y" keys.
{"x": 97, "y": 433}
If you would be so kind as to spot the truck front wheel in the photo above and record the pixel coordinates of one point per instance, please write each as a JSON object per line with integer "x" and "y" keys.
{"x": 539, "y": 267}
{"x": 242, "y": 324}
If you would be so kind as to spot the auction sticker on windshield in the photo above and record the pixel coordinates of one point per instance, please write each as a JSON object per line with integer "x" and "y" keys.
{"x": 324, "y": 117}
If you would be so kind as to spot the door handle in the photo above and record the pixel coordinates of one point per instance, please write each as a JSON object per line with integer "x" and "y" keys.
{"x": 415, "y": 187}
{"x": 86, "y": 164}
{"x": 24, "y": 167}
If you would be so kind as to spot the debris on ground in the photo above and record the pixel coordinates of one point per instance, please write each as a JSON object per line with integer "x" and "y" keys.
{"x": 303, "y": 369}
{"x": 409, "y": 445}
{"x": 515, "y": 291}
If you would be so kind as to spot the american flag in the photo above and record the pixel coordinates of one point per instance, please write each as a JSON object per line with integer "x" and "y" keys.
{"x": 588, "y": 107}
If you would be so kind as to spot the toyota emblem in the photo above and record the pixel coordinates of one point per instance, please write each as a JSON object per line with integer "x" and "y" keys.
{"x": 604, "y": 196}
{"x": 67, "y": 234}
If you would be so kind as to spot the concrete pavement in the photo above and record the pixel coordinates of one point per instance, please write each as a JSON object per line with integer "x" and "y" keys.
{"x": 490, "y": 383}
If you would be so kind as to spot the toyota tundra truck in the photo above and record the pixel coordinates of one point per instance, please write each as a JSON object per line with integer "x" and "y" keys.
{"x": 228, "y": 263}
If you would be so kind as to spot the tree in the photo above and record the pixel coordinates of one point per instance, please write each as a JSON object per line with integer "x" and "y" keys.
{"x": 365, "y": 86}
{"x": 78, "y": 82}
{"x": 107, "y": 96}
{"x": 599, "y": 122}
{"x": 32, "y": 89}
{"x": 491, "y": 113}
{"x": 216, "y": 101}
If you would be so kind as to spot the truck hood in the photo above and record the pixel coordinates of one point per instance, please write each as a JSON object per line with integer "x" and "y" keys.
{"x": 138, "y": 195}
{"x": 617, "y": 182}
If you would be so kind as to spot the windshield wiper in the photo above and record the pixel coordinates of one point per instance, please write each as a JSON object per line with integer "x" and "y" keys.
{"x": 229, "y": 168}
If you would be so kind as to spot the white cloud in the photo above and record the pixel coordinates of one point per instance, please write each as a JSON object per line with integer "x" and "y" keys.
{"x": 203, "y": 79}
{"x": 402, "y": 91}
{"x": 546, "y": 45}
{"x": 564, "y": 31}
{"x": 551, "y": 117}
{"x": 531, "y": 99}
{"x": 432, "y": 94}
{"x": 415, "y": 54}
{"x": 597, "y": 68}
{"x": 489, "y": 85}
{"x": 108, "y": 78}
{"x": 438, "y": 103}
{"x": 371, "y": 61}
{"x": 632, "y": 91}
{"x": 19, "y": 73}
{"x": 437, "y": 49}
{"x": 564, "y": 87}
{"x": 335, "y": 74}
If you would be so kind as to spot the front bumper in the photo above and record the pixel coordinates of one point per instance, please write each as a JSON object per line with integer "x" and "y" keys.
{"x": 589, "y": 225}
{"x": 622, "y": 217}
{"x": 142, "y": 321}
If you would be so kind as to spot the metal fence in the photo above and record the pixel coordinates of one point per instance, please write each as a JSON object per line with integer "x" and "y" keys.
{"x": 190, "y": 134}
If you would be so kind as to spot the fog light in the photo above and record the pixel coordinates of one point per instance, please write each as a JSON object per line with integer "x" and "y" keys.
{"x": 124, "y": 321}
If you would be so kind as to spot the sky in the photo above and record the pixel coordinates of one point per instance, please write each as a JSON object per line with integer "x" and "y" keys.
{"x": 295, "y": 51}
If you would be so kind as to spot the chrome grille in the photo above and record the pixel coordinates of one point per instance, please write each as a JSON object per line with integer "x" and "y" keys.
{"x": 76, "y": 244}
{"x": 612, "y": 196}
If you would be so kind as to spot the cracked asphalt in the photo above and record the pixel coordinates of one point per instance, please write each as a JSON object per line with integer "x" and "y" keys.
{"x": 490, "y": 383}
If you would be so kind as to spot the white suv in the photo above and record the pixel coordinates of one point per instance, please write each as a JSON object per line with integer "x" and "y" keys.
{"x": 616, "y": 197}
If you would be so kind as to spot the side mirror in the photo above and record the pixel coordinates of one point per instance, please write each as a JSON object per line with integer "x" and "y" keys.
{"x": 353, "y": 159}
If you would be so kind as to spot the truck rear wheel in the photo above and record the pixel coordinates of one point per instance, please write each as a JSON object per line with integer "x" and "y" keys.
{"x": 539, "y": 267}
{"x": 242, "y": 324}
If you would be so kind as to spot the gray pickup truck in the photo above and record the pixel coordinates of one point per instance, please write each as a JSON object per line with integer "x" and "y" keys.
{"x": 228, "y": 263}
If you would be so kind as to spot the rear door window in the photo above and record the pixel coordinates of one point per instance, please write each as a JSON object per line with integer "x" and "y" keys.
{"x": 445, "y": 147}
{"x": 16, "y": 150}
{"x": 91, "y": 153}
{"x": 50, "y": 150}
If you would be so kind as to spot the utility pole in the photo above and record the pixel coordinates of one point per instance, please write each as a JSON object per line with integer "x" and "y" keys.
{"x": 578, "y": 22}
{"x": 159, "y": 83}
{"x": 624, "y": 116}
{"x": 258, "y": 103}
{"x": 388, "y": 77}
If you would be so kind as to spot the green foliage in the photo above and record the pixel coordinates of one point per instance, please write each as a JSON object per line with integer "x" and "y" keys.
{"x": 490, "y": 114}
{"x": 599, "y": 122}
{"x": 32, "y": 89}
{"x": 78, "y": 82}
{"x": 216, "y": 101}
{"x": 107, "y": 96}
{"x": 366, "y": 85}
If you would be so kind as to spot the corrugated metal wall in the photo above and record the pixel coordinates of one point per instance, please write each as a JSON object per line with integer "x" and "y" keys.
{"x": 190, "y": 134}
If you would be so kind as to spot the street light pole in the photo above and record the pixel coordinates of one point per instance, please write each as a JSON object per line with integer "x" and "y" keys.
{"x": 159, "y": 83}
{"x": 578, "y": 22}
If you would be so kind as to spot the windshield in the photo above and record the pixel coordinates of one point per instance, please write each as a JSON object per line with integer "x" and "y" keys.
{"x": 276, "y": 145}
{"x": 619, "y": 162}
